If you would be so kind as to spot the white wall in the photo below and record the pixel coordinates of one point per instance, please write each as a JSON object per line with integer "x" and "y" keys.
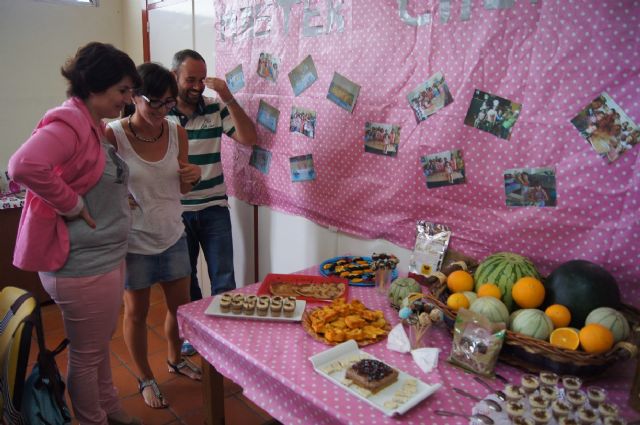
{"x": 37, "y": 38}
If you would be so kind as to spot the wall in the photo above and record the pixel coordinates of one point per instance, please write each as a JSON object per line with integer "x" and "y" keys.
{"x": 37, "y": 37}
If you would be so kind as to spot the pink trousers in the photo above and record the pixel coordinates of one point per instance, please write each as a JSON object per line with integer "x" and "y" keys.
{"x": 90, "y": 308}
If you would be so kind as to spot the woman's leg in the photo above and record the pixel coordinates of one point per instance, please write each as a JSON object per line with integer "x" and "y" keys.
{"x": 90, "y": 308}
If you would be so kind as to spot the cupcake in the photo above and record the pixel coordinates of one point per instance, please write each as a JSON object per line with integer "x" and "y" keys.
{"x": 577, "y": 398}
{"x": 529, "y": 383}
{"x": 276, "y": 306}
{"x": 536, "y": 401}
{"x": 586, "y": 416}
{"x": 512, "y": 392}
{"x": 560, "y": 409}
{"x": 262, "y": 305}
{"x": 571, "y": 383}
{"x": 608, "y": 410}
{"x": 289, "y": 306}
{"x": 548, "y": 379}
{"x": 596, "y": 395}
{"x": 540, "y": 416}
{"x": 614, "y": 421}
{"x": 225, "y": 303}
{"x": 549, "y": 393}
{"x": 515, "y": 409}
{"x": 249, "y": 306}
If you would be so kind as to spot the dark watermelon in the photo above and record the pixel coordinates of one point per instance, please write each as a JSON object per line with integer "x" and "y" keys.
{"x": 581, "y": 286}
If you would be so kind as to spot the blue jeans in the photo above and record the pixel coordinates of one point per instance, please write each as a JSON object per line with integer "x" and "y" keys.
{"x": 210, "y": 229}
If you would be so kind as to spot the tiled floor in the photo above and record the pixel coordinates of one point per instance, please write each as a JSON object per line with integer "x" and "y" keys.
{"x": 183, "y": 395}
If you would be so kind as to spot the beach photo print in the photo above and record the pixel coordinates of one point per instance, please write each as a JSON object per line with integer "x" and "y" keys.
{"x": 268, "y": 66}
{"x": 260, "y": 159}
{"x": 303, "y": 76}
{"x": 530, "y": 187}
{"x": 343, "y": 92}
{"x": 607, "y": 128}
{"x": 235, "y": 79}
{"x": 492, "y": 114}
{"x": 302, "y": 168}
{"x": 429, "y": 97}
{"x": 381, "y": 139}
{"x": 268, "y": 116}
{"x": 303, "y": 121}
{"x": 443, "y": 169}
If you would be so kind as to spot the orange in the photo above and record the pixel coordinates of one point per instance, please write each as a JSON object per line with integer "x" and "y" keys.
{"x": 489, "y": 290}
{"x": 457, "y": 301}
{"x": 559, "y": 315}
{"x": 460, "y": 281}
{"x": 596, "y": 339}
{"x": 567, "y": 338}
{"x": 528, "y": 292}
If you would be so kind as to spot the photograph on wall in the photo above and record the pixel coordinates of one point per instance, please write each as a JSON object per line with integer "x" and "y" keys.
{"x": 268, "y": 66}
{"x": 303, "y": 121}
{"x": 235, "y": 79}
{"x": 429, "y": 97}
{"x": 607, "y": 127}
{"x": 268, "y": 116}
{"x": 493, "y": 114}
{"x": 443, "y": 169}
{"x": 260, "y": 159}
{"x": 381, "y": 139}
{"x": 303, "y": 76}
{"x": 343, "y": 92}
{"x": 530, "y": 187}
{"x": 302, "y": 168}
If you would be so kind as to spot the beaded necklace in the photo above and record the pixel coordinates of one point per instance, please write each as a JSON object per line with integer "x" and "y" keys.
{"x": 145, "y": 139}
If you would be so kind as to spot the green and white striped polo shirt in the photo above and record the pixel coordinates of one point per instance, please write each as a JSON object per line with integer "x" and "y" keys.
{"x": 205, "y": 128}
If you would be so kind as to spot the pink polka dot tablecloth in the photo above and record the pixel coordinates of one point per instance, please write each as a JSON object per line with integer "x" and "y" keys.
{"x": 551, "y": 56}
{"x": 270, "y": 360}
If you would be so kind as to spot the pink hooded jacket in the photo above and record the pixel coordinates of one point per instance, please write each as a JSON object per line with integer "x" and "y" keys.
{"x": 61, "y": 161}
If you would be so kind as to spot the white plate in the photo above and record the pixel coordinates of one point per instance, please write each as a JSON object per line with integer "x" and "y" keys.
{"x": 348, "y": 351}
{"x": 214, "y": 310}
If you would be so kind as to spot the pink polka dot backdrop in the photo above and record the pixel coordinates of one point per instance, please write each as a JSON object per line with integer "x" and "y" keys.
{"x": 553, "y": 57}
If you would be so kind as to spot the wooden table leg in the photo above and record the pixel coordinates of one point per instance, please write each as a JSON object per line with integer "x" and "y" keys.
{"x": 212, "y": 394}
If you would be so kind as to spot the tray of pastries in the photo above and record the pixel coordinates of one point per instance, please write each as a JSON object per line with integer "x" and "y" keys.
{"x": 341, "y": 321}
{"x": 359, "y": 271}
{"x": 381, "y": 385}
{"x": 263, "y": 307}
{"x": 303, "y": 287}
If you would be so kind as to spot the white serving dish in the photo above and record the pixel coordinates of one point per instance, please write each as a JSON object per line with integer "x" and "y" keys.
{"x": 214, "y": 310}
{"x": 348, "y": 350}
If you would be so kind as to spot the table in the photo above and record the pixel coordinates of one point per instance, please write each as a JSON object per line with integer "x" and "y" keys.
{"x": 270, "y": 361}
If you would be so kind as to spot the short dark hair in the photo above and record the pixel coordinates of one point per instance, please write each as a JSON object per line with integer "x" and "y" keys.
{"x": 95, "y": 68}
{"x": 155, "y": 80}
{"x": 182, "y": 56}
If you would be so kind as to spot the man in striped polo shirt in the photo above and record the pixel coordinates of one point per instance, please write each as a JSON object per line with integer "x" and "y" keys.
{"x": 206, "y": 213}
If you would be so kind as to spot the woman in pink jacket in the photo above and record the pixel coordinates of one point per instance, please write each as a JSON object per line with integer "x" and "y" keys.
{"x": 76, "y": 219}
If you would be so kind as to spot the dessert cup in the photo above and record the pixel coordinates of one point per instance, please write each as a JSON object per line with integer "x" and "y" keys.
{"x": 571, "y": 382}
{"x": 276, "y": 306}
{"x": 529, "y": 383}
{"x": 515, "y": 409}
{"x": 289, "y": 306}
{"x": 586, "y": 416}
{"x": 540, "y": 416}
{"x": 548, "y": 379}
{"x": 577, "y": 398}
{"x": 614, "y": 421}
{"x": 560, "y": 409}
{"x": 225, "y": 303}
{"x": 608, "y": 410}
{"x": 568, "y": 421}
{"x": 521, "y": 420}
{"x": 237, "y": 306}
{"x": 549, "y": 393}
{"x": 537, "y": 401}
{"x": 596, "y": 395}
{"x": 250, "y": 305}
{"x": 262, "y": 305}
{"x": 512, "y": 392}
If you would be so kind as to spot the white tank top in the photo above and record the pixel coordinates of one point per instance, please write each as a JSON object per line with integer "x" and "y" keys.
{"x": 155, "y": 187}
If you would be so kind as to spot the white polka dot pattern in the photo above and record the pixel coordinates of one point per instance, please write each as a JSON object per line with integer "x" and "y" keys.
{"x": 552, "y": 57}
{"x": 270, "y": 361}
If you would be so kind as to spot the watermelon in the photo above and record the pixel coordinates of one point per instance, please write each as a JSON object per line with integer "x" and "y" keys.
{"x": 532, "y": 322}
{"x": 491, "y": 308}
{"x": 504, "y": 269}
{"x": 471, "y": 296}
{"x": 612, "y": 320}
{"x": 581, "y": 286}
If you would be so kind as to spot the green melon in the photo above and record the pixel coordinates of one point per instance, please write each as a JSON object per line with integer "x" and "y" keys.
{"x": 513, "y": 316}
{"x": 532, "y": 322}
{"x": 612, "y": 320}
{"x": 471, "y": 296}
{"x": 491, "y": 308}
{"x": 504, "y": 269}
{"x": 401, "y": 288}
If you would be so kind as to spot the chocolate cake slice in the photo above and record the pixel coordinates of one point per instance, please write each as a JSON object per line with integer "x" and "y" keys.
{"x": 372, "y": 375}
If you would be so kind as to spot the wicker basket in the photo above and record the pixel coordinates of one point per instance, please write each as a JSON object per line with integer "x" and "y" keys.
{"x": 534, "y": 355}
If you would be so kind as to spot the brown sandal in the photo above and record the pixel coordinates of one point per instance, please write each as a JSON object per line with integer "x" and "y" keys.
{"x": 156, "y": 391}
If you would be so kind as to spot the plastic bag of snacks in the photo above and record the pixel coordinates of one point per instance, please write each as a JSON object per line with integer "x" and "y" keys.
{"x": 476, "y": 342}
{"x": 432, "y": 240}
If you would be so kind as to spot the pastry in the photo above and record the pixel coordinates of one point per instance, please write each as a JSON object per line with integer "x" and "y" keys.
{"x": 249, "y": 306}
{"x": 225, "y": 303}
{"x": 262, "y": 305}
{"x": 289, "y": 306}
{"x": 276, "y": 306}
{"x": 372, "y": 375}
{"x": 237, "y": 304}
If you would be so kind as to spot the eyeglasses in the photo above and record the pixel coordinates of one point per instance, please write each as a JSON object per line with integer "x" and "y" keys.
{"x": 157, "y": 104}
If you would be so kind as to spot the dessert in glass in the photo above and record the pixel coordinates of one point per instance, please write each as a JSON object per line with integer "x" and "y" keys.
{"x": 571, "y": 382}
{"x": 262, "y": 306}
{"x": 512, "y": 392}
{"x": 549, "y": 393}
{"x": 614, "y": 421}
{"x": 560, "y": 409}
{"x": 596, "y": 395}
{"x": 548, "y": 379}
{"x": 521, "y": 420}
{"x": 529, "y": 383}
{"x": 537, "y": 401}
{"x": 567, "y": 420}
{"x": 577, "y": 398}
{"x": 586, "y": 415}
{"x": 515, "y": 409}
{"x": 607, "y": 410}
{"x": 540, "y": 416}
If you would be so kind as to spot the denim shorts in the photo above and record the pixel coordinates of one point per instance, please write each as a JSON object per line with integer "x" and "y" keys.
{"x": 145, "y": 270}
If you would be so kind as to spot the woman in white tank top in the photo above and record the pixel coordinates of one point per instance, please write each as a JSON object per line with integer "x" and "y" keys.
{"x": 156, "y": 152}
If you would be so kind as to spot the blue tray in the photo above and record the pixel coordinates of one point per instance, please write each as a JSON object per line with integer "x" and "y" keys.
{"x": 369, "y": 281}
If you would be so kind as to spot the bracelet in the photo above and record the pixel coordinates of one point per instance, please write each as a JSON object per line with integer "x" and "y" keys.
{"x": 232, "y": 101}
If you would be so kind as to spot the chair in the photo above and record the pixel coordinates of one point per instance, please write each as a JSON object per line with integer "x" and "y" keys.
{"x": 16, "y": 305}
